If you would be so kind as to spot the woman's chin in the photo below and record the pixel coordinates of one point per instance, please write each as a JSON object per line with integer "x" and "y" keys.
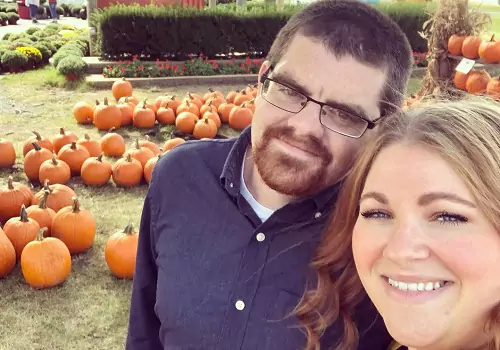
{"x": 414, "y": 337}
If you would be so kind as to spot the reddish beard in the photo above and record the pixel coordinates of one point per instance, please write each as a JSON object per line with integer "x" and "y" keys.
{"x": 288, "y": 175}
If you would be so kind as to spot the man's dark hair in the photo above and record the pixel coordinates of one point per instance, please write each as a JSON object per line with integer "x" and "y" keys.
{"x": 350, "y": 27}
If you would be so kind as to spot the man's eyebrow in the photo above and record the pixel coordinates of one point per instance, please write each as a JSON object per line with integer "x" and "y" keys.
{"x": 289, "y": 80}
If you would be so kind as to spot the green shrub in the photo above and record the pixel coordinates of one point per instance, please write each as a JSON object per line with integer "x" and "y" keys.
{"x": 60, "y": 10}
{"x": 52, "y": 27}
{"x": 13, "y": 61}
{"x": 72, "y": 67}
{"x": 58, "y": 44}
{"x": 20, "y": 43}
{"x": 6, "y": 36}
{"x": 14, "y": 17}
{"x": 13, "y": 37}
{"x": 168, "y": 32}
{"x": 4, "y": 18}
{"x": 59, "y": 55}
{"x": 33, "y": 54}
{"x": 12, "y": 9}
{"x": 32, "y": 30}
{"x": 44, "y": 50}
{"x": 73, "y": 48}
{"x": 49, "y": 46}
{"x": 33, "y": 37}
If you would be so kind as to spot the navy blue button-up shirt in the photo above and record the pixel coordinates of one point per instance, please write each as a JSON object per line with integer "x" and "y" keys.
{"x": 204, "y": 281}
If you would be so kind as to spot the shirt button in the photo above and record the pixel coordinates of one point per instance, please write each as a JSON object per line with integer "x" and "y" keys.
{"x": 240, "y": 305}
{"x": 317, "y": 215}
{"x": 260, "y": 237}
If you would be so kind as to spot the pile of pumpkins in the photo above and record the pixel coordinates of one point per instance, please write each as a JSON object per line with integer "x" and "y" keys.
{"x": 43, "y": 230}
{"x": 194, "y": 114}
{"x": 473, "y": 47}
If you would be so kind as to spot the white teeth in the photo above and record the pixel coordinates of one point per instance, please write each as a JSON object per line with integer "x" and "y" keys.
{"x": 414, "y": 287}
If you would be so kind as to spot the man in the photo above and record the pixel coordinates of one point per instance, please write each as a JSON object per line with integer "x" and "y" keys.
{"x": 229, "y": 226}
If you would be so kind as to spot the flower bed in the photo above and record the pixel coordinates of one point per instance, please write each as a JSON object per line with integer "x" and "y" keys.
{"x": 195, "y": 66}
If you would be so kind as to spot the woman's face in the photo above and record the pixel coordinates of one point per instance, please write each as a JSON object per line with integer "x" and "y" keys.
{"x": 426, "y": 254}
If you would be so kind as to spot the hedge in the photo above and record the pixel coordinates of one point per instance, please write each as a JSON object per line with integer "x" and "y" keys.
{"x": 166, "y": 32}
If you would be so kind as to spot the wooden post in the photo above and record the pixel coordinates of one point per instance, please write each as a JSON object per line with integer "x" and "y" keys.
{"x": 91, "y": 7}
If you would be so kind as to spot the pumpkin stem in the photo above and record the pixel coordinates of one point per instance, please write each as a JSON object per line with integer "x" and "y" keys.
{"x": 24, "y": 214}
{"x": 36, "y": 146}
{"x": 492, "y": 37}
{"x": 190, "y": 96}
{"x": 10, "y": 184}
{"x": 54, "y": 159}
{"x": 112, "y": 129}
{"x": 43, "y": 202}
{"x": 137, "y": 145}
{"x": 129, "y": 229}
{"x": 73, "y": 145}
{"x": 105, "y": 101}
{"x": 99, "y": 157}
{"x": 37, "y": 135}
{"x": 76, "y": 205}
{"x": 39, "y": 235}
{"x": 129, "y": 158}
{"x": 97, "y": 103}
{"x": 87, "y": 137}
{"x": 46, "y": 185}
{"x": 62, "y": 131}
{"x": 210, "y": 89}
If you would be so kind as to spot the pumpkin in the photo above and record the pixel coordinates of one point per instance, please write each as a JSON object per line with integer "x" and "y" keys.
{"x": 55, "y": 170}
{"x": 165, "y": 116}
{"x": 214, "y": 117}
{"x": 151, "y": 106}
{"x": 34, "y": 160}
{"x": 7, "y": 154}
{"x": 143, "y": 117}
{"x": 62, "y": 139}
{"x": 7, "y": 255}
{"x": 142, "y": 154}
{"x": 45, "y": 262}
{"x": 477, "y": 82}
{"x": 489, "y": 51}
{"x": 212, "y": 93}
{"x": 187, "y": 106}
{"x": 127, "y": 110}
{"x": 224, "y": 111}
{"x": 151, "y": 145}
{"x": 129, "y": 99}
{"x": 171, "y": 102}
{"x": 208, "y": 107}
{"x": 148, "y": 168}
{"x": 42, "y": 214}
{"x": 231, "y": 96}
{"x": 113, "y": 144}
{"x": 186, "y": 121}
{"x": 93, "y": 146}
{"x": 41, "y": 141}
{"x": 215, "y": 101}
{"x": 75, "y": 227}
{"x": 172, "y": 143}
{"x": 21, "y": 230}
{"x": 107, "y": 116}
{"x": 205, "y": 128}
{"x": 13, "y": 198}
{"x": 242, "y": 97}
{"x": 60, "y": 196}
{"x": 121, "y": 88}
{"x": 460, "y": 79}
{"x": 250, "y": 105}
{"x": 83, "y": 113}
{"x": 470, "y": 46}
{"x": 74, "y": 155}
{"x": 96, "y": 171}
{"x": 120, "y": 252}
{"x": 251, "y": 90}
{"x": 194, "y": 99}
{"x": 240, "y": 117}
{"x": 127, "y": 171}
{"x": 493, "y": 88}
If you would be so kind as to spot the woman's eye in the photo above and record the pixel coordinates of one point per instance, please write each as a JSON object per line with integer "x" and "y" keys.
{"x": 375, "y": 214}
{"x": 450, "y": 218}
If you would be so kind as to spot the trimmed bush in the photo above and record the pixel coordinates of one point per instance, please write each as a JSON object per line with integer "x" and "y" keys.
{"x": 32, "y": 30}
{"x": 44, "y": 50}
{"x": 77, "y": 49}
{"x": 6, "y": 36}
{"x": 20, "y": 43}
{"x": 174, "y": 33}
{"x": 11, "y": 9}
{"x": 33, "y": 54}
{"x": 49, "y": 46}
{"x": 4, "y": 18}
{"x": 13, "y": 61}
{"x": 59, "y": 55}
{"x": 72, "y": 67}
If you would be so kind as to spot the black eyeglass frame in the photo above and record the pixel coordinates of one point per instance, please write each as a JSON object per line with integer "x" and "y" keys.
{"x": 370, "y": 124}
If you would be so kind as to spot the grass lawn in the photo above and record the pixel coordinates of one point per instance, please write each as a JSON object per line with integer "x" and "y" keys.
{"x": 90, "y": 310}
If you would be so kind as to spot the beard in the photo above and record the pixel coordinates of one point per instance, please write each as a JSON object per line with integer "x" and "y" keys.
{"x": 290, "y": 175}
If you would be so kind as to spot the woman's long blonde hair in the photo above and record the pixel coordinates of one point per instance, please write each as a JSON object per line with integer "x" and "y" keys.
{"x": 466, "y": 134}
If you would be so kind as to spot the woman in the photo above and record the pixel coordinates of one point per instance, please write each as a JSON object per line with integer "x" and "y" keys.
{"x": 417, "y": 225}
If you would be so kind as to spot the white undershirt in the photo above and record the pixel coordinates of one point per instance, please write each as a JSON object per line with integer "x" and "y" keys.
{"x": 262, "y": 212}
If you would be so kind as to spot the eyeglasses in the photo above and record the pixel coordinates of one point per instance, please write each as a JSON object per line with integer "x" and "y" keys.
{"x": 333, "y": 118}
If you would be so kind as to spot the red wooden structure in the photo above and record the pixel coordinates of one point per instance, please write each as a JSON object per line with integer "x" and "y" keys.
{"x": 184, "y": 3}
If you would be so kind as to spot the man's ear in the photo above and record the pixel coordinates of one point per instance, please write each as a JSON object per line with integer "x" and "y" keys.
{"x": 263, "y": 68}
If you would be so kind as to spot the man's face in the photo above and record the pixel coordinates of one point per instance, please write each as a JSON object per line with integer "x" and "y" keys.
{"x": 294, "y": 153}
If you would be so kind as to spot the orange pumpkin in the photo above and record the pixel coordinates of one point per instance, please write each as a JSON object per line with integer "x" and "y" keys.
{"x": 7, "y": 255}
{"x": 460, "y": 80}
{"x": 493, "y": 88}
{"x": 172, "y": 143}
{"x": 113, "y": 144}
{"x": 120, "y": 252}
{"x": 42, "y": 142}
{"x": 240, "y": 117}
{"x": 74, "y": 155}
{"x": 147, "y": 104}
{"x": 489, "y": 51}
{"x": 194, "y": 99}
{"x": 250, "y": 105}
{"x": 21, "y": 230}
{"x": 209, "y": 107}
{"x": 151, "y": 145}
{"x": 214, "y": 117}
{"x": 212, "y": 93}
{"x": 242, "y": 97}
{"x": 93, "y": 146}
{"x": 231, "y": 96}
{"x": 171, "y": 102}
{"x": 143, "y": 117}
{"x": 149, "y": 167}
{"x": 34, "y": 160}
{"x": 62, "y": 139}
{"x": 215, "y": 101}
{"x": 96, "y": 171}
{"x": 455, "y": 44}
{"x": 45, "y": 262}
{"x": 7, "y": 154}
{"x": 142, "y": 154}
{"x": 224, "y": 111}
{"x": 60, "y": 196}
{"x": 127, "y": 172}
{"x": 56, "y": 171}
{"x": 477, "y": 82}
{"x": 127, "y": 110}
{"x": 205, "y": 128}
{"x": 187, "y": 106}
{"x": 75, "y": 227}
{"x": 129, "y": 99}
{"x": 165, "y": 116}
{"x": 121, "y": 88}
{"x": 470, "y": 46}
{"x": 13, "y": 198}
{"x": 42, "y": 214}
{"x": 83, "y": 113}
{"x": 107, "y": 116}
{"x": 186, "y": 121}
